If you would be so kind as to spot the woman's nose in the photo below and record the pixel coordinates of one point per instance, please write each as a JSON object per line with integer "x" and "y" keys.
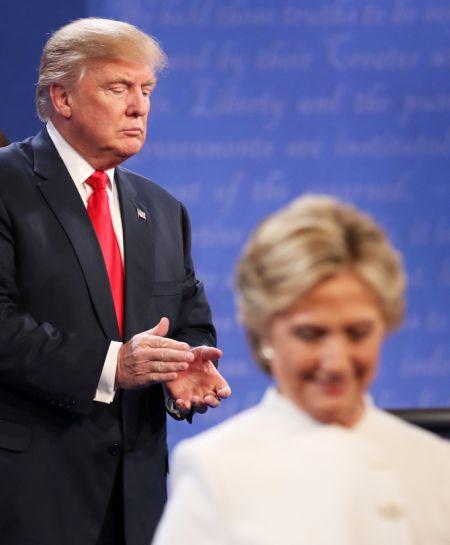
{"x": 336, "y": 355}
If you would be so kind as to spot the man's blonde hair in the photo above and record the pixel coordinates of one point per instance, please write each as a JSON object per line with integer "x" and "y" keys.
{"x": 311, "y": 239}
{"x": 68, "y": 51}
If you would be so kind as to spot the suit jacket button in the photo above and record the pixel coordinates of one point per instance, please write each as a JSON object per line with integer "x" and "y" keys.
{"x": 114, "y": 449}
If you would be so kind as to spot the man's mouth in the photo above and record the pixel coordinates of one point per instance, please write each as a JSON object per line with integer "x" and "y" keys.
{"x": 133, "y": 131}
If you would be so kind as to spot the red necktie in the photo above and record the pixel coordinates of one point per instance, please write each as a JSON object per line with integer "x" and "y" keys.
{"x": 98, "y": 210}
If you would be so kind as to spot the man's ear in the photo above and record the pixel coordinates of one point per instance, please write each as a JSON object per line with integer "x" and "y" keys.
{"x": 61, "y": 100}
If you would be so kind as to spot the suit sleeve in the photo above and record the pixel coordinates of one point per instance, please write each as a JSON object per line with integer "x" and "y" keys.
{"x": 36, "y": 359}
{"x": 192, "y": 515}
{"x": 194, "y": 324}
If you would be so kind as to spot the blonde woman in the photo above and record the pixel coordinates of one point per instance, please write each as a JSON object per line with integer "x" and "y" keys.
{"x": 315, "y": 463}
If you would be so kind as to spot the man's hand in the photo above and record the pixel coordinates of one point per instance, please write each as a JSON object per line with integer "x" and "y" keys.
{"x": 150, "y": 357}
{"x": 201, "y": 385}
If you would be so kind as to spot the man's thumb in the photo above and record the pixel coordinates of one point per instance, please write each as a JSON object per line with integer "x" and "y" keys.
{"x": 161, "y": 329}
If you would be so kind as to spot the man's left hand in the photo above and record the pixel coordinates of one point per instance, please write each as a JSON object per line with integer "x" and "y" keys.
{"x": 201, "y": 385}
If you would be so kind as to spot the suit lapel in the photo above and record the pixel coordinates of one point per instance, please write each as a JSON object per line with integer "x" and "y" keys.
{"x": 63, "y": 198}
{"x": 139, "y": 253}
{"x": 138, "y": 238}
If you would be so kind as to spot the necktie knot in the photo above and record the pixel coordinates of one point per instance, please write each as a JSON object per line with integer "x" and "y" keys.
{"x": 98, "y": 180}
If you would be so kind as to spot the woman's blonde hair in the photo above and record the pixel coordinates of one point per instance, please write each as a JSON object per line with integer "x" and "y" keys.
{"x": 311, "y": 239}
{"x": 70, "y": 48}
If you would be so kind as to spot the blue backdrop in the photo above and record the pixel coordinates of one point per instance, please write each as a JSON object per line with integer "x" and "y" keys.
{"x": 266, "y": 100}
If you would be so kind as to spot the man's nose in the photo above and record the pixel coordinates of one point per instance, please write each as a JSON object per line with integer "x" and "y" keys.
{"x": 138, "y": 103}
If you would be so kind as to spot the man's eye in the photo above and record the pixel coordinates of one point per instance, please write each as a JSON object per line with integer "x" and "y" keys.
{"x": 359, "y": 332}
{"x": 117, "y": 90}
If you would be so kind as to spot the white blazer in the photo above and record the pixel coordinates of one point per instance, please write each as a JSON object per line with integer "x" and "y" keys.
{"x": 273, "y": 476}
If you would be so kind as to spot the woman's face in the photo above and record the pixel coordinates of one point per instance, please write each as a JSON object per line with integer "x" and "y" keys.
{"x": 326, "y": 349}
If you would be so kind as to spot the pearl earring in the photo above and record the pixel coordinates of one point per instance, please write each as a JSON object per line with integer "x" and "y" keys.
{"x": 267, "y": 352}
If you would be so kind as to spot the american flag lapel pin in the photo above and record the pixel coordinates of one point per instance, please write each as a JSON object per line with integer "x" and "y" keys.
{"x": 141, "y": 214}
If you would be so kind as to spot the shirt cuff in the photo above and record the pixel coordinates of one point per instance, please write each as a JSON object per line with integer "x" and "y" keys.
{"x": 106, "y": 385}
{"x": 170, "y": 406}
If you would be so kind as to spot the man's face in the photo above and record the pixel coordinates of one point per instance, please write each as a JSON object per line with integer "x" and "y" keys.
{"x": 107, "y": 111}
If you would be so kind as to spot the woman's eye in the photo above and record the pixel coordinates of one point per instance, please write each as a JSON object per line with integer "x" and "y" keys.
{"x": 308, "y": 333}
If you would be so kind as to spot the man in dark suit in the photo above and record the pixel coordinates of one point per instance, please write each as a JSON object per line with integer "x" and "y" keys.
{"x": 103, "y": 324}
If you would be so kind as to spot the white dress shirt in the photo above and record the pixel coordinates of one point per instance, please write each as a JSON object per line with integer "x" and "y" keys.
{"x": 273, "y": 475}
{"x": 80, "y": 170}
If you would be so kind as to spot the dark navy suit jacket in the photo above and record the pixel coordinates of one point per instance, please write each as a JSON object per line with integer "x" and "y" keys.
{"x": 59, "y": 450}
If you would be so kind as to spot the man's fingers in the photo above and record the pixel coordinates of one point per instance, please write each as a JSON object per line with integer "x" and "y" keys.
{"x": 211, "y": 401}
{"x": 199, "y": 405}
{"x": 149, "y": 355}
{"x": 207, "y": 352}
{"x": 152, "y": 341}
{"x": 224, "y": 392}
{"x": 141, "y": 381}
{"x": 166, "y": 355}
{"x": 165, "y": 367}
{"x": 160, "y": 377}
{"x": 183, "y": 406}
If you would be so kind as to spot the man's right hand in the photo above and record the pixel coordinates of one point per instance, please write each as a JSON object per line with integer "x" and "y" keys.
{"x": 150, "y": 357}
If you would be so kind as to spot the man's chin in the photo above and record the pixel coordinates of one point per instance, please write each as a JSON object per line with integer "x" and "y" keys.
{"x": 113, "y": 157}
{"x": 127, "y": 151}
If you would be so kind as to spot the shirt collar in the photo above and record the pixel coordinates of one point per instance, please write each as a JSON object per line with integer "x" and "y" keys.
{"x": 79, "y": 169}
{"x": 275, "y": 402}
